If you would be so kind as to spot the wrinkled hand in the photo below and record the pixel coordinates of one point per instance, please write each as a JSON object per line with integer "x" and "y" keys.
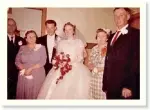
{"x": 91, "y": 66}
{"x": 126, "y": 92}
{"x": 28, "y": 72}
{"x": 100, "y": 69}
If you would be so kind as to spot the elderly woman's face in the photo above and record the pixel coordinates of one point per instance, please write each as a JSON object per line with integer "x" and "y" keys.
{"x": 31, "y": 38}
{"x": 101, "y": 38}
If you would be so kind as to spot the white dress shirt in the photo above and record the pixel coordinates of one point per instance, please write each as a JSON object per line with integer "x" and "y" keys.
{"x": 121, "y": 31}
{"x": 11, "y": 36}
{"x": 50, "y": 45}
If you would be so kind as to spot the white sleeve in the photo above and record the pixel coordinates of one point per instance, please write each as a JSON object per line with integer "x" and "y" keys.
{"x": 59, "y": 47}
{"x": 80, "y": 51}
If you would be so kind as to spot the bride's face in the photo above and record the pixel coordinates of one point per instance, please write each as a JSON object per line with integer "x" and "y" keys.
{"x": 69, "y": 31}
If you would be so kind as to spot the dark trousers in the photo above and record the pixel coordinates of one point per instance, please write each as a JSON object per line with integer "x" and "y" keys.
{"x": 11, "y": 89}
{"x": 114, "y": 95}
{"x": 118, "y": 95}
{"x": 12, "y": 79}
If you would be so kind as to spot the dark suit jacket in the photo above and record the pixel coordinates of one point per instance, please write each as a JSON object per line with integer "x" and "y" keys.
{"x": 122, "y": 63}
{"x": 43, "y": 40}
{"x": 12, "y": 50}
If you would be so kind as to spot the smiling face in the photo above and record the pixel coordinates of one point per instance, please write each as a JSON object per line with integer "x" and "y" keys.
{"x": 11, "y": 26}
{"x": 101, "y": 38}
{"x": 51, "y": 28}
{"x": 31, "y": 38}
{"x": 121, "y": 17}
{"x": 69, "y": 31}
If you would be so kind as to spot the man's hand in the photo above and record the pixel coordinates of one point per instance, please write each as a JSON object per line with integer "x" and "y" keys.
{"x": 126, "y": 92}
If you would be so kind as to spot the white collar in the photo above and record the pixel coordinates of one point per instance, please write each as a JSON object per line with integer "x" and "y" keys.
{"x": 123, "y": 28}
{"x": 11, "y": 35}
{"x": 49, "y": 36}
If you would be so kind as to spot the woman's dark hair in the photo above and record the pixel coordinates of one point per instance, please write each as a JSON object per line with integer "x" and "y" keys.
{"x": 102, "y": 30}
{"x": 70, "y": 24}
{"x": 28, "y": 32}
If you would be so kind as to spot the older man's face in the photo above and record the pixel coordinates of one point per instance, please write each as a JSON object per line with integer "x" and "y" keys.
{"x": 121, "y": 17}
{"x": 11, "y": 26}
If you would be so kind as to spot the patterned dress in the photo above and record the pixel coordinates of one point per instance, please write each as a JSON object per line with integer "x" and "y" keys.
{"x": 97, "y": 77}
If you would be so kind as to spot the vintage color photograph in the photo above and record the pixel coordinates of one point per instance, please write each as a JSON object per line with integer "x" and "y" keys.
{"x": 73, "y": 53}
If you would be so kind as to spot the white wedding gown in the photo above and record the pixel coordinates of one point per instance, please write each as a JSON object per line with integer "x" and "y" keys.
{"x": 75, "y": 84}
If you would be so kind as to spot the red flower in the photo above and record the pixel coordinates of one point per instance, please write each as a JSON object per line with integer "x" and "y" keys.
{"x": 103, "y": 51}
{"x": 62, "y": 62}
{"x": 69, "y": 59}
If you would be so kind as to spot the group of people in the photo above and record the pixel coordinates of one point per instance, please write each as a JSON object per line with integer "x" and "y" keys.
{"x": 113, "y": 65}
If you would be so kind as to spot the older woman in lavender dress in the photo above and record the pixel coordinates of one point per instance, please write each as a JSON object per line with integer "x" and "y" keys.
{"x": 30, "y": 61}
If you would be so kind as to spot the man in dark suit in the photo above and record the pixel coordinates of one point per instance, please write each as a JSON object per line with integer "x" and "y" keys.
{"x": 13, "y": 44}
{"x": 49, "y": 41}
{"x": 121, "y": 78}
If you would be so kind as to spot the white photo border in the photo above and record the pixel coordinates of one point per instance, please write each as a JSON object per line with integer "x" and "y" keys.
{"x": 54, "y": 4}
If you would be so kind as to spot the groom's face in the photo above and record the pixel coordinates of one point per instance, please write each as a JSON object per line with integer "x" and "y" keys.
{"x": 51, "y": 28}
{"x": 121, "y": 17}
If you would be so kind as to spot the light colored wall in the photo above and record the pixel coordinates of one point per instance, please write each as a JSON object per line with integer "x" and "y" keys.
{"x": 87, "y": 20}
{"x": 27, "y": 19}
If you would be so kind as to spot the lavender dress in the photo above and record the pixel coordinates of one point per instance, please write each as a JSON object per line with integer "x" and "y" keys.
{"x": 29, "y": 88}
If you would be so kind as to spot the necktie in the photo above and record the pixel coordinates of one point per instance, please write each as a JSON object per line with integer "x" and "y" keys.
{"x": 12, "y": 40}
{"x": 115, "y": 38}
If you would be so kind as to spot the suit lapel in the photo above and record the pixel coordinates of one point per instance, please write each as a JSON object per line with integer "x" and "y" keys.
{"x": 45, "y": 42}
{"x": 54, "y": 49}
{"x": 16, "y": 41}
{"x": 56, "y": 38}
{"x": 8, "y": 40}
{"x": 120, "y": 38}
{"x": 109, "y": 40}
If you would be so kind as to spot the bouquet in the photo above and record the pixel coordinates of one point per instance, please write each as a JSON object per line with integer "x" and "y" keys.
{"x": 62, "y": 62}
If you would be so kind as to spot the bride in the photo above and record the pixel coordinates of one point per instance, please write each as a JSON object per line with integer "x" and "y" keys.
{"x": 75, "y": 83}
